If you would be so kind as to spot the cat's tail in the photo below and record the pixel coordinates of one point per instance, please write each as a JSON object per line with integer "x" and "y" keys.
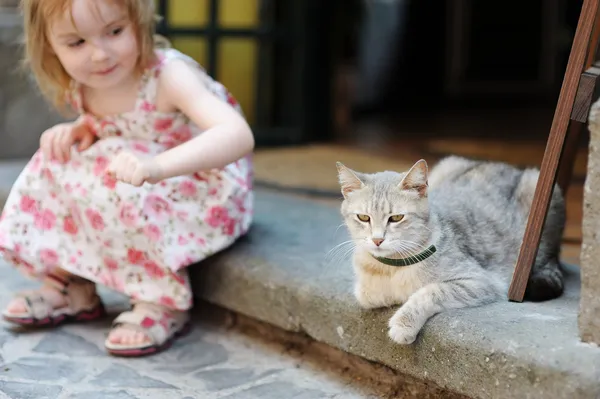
{"x": 545, "y": 283}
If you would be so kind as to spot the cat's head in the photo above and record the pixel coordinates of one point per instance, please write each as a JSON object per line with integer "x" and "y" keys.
{"x": 386, "y": 212}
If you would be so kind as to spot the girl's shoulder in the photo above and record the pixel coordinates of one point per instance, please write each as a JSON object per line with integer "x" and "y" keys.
{"x": 164, "y": 56}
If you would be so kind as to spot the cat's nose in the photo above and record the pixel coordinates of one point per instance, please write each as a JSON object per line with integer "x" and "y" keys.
{"x": 377, "y": 241}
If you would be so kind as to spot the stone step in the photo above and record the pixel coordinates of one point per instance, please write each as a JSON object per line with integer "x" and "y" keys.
{"x": 281, "y": 274}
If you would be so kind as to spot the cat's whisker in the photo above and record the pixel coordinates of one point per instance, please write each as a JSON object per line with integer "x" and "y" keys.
{"x": 341, "y": 251}
{"x": 403, "y": 251}
{"x": 413, "y": 244}
{"x": 410, "y": 249}
{"x": 341, "y": 244}
{"x": 337, "y": 229}
{"x": 338, "y": 249}
{"x": 342, "y": 256}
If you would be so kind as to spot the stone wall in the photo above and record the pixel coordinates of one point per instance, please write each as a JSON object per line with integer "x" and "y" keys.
{"x": 589, "y": 312}
{"x": 24, "y": 114}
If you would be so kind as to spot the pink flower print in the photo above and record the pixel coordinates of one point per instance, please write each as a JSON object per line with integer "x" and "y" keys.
{"x": 167, "y": 302}
{"x": 36, "y": 163}
{"x": 95, "y": 219}
{"x": 49, "y": 258}
{"x": 152, "y": 232}
{"x": 239, "y": 203}
{"x": 100, "y": 165}
{"x": 200, "y": 176}
{"x": 75, "y": 213}
{"x": 109, "y": 128}
{"x": 156, "y": 207}
{"x": 28, "y": 204}
{"x": 128, "y": 214}
{"x": 111, "y": 264}
{"x": 163, "y": 124}
{"x": 217, "y": 215}
{"x": 182, "y": 240}
{"x": 147, "y": 322}
{"x": 187, "y": 188}
{"x": 229, "y": 227}
{"x": 109, "y": 181}
{"x": 178, "y": 276}
{"x": 69, "y": 225}
{"x": 182, "y": 215}
{"x": 182, "y": 134}
{"x": 46, "y": 174}
{"x": 231, "y": 100}
{"x": 45, "y": 219}
{"x": 154, "y": 271}
{"x": 141, "y": 147}
{"x": 148, "y": 106}
{"x": 135, "y": 257}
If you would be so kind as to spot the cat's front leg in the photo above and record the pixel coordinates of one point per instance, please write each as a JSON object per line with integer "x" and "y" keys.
{"x": 433, "y": 298}
{"x": 372, "y": 296}
{"x": 364, "y": 297}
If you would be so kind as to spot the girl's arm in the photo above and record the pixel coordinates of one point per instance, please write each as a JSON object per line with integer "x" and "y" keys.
{"x": 226, "y": 137}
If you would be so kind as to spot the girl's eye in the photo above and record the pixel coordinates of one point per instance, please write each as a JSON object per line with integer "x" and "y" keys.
{"x": 76, "y": 43}
{"x": 396, "y": 218}
{"x": 363, "y": 218}
{"x": 116, "y": 31}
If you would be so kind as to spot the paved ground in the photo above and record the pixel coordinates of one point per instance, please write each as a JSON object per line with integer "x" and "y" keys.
{"x": 214, "y": 361}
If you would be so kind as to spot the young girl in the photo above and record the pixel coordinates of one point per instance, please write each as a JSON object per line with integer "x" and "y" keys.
{"x": 153, "y": 176}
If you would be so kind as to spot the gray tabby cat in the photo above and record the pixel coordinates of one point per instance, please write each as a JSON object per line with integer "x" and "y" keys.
{"x": 448, "y": 244}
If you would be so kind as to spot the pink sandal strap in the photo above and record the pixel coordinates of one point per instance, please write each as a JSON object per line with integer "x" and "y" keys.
{"x": 156, "y": 322}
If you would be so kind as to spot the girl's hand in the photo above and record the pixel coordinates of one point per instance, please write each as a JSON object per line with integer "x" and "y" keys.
{"x": 130, "y": 169}
{"x": 57, "y": 141}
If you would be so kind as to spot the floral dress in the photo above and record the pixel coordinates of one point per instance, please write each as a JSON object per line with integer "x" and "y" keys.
{"x": 135, "y": 240}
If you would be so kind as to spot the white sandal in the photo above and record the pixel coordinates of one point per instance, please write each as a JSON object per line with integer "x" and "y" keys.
{"x": 162, "y": 326}
{"x": 82, "y": 304}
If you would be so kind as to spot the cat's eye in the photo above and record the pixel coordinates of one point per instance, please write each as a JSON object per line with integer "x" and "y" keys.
{"x": 363, "y": 218}
{"x": 396, "y": 218}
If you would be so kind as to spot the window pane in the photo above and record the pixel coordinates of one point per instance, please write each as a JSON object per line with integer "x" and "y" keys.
{"x": 237, "y": 70}
{"x": 188, "y": 13}
{"x": 238, "y": 13}
{"x": 195, "y": 47}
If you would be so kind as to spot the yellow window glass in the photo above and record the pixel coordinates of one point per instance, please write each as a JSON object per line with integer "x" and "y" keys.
{"x": 238, "y": 13}
{"x": 236, "y": 69}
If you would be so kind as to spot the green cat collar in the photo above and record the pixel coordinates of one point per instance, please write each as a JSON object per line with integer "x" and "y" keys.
{"x": 411, "y": 260}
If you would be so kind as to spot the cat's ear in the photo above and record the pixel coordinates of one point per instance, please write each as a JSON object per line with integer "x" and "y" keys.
{"x": 349, "y": 181}
{"x": 416, "y": 178}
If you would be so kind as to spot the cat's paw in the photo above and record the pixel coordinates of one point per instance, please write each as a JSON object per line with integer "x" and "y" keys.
{"x": 403, "y": 335}
{"x": 402, "y": 328}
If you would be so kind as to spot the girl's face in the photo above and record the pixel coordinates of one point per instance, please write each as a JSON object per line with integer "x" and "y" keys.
{"x": 96, "y": 43}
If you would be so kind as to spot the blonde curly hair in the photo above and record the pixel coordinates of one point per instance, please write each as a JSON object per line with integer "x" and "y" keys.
{"x": 51, "y": 77}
